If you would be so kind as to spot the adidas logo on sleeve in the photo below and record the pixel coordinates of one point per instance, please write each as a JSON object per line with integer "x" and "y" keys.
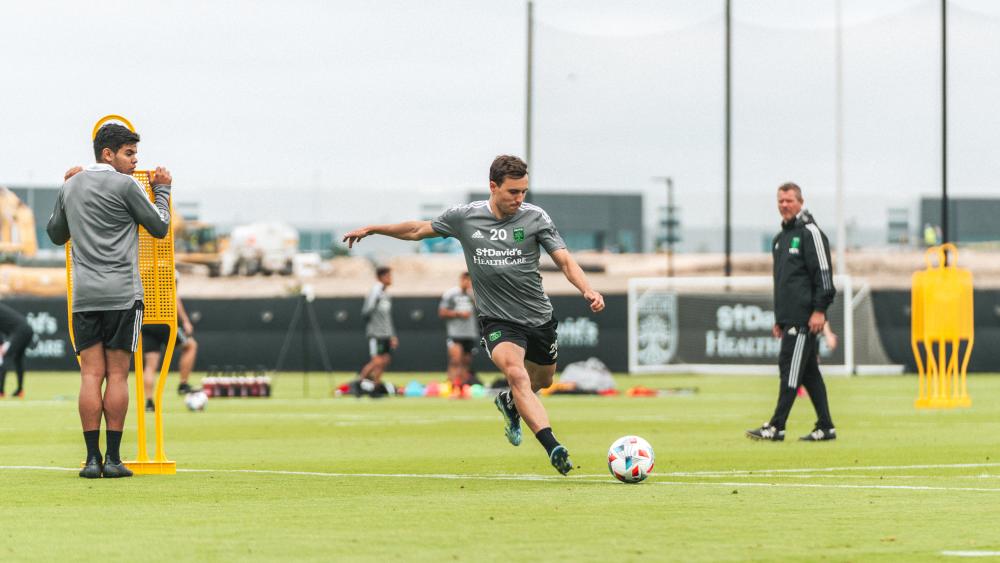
{"x": 477, "y": 234}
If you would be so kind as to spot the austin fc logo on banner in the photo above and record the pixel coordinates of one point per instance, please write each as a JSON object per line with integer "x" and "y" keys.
{"x": 657, "y": 338}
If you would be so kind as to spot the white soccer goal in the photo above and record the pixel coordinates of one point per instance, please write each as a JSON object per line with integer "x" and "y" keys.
{"x": 723, "y": 325}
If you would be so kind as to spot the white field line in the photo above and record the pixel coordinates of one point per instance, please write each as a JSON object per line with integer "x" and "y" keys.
{"x": 752, "y": 472}
{"x": 971, "y": 553}
{"x": 601, "y": 478}
{"x": 829, "y": 486}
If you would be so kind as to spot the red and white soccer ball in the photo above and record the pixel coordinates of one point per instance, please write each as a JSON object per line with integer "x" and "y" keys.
{"x": 630, "y": 459}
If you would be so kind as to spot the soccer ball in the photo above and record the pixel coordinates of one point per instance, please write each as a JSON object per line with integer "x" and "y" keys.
{"x": 630, "y": 459}
{"x": 196, "y": 401}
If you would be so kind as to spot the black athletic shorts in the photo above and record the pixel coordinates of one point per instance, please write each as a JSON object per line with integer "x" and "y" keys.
{"x": 154, "y": 337}
{"x": 116, "y": 330}
{"x": 379, "y": 346}
{"x": 467, "y": 344}
{"x": 540, "y": 343}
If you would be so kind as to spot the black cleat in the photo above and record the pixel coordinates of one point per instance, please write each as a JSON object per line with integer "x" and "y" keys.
{"x": 92, "y": 469}
{"x": 115, "y": 470}
{"x": 767, "y": 433}
{"x": 150, "y": 405}
{"x": 184, "y": 388}
{"x": 559, "y": 458}
{"x": 820, "y": 435}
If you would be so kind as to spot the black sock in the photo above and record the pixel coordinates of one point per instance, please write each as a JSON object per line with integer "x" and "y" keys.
{"x": 93, "y": 441}
{"x": 548, "y": 441}
{"x": 114, "y": 442}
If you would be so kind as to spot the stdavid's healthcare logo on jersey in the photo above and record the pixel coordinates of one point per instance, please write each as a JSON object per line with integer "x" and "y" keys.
{"x": 496, "y": 257}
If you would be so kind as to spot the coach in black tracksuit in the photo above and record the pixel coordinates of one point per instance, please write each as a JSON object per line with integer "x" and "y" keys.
{"x": 803, "y": 290}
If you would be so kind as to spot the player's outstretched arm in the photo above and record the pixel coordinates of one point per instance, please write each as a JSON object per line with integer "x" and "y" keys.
{"x": 407, "y": 230}
{"x": 564, "y": 260}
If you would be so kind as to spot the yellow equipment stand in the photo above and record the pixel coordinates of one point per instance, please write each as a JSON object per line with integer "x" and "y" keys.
{"x": 941, "y": 330}
{"x": 156, "y": 268}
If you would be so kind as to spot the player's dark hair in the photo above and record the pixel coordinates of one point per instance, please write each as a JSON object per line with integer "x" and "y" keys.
{"x": 113, "y": 136}
{"x": 507, "y": 166}
{"x": 791, "y": 187}
{"x": 381, "y": 271}
{"x": 466, "y": 275}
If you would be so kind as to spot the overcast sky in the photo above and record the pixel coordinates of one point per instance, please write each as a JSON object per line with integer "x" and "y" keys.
{"x": 374, "y": 107}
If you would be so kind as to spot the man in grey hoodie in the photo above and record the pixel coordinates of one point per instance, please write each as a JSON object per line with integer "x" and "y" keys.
{"x": 101, "y": 207}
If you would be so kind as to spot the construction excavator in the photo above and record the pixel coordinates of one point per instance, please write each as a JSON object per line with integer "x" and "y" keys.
{"x": 18, "y": 246}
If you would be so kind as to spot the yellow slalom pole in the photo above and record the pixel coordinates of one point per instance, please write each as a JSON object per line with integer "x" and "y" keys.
{"x": 161, "y": 383}
{"x": 140, "y": 406}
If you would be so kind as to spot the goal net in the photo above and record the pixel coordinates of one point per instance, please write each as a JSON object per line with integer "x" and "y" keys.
{"x": 723, "y": 325}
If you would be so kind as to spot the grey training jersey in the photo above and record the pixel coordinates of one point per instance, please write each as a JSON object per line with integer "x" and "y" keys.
{"x": 457, "y": 300}
{"x": 502, "y": 257}
{"x": 101, "y": 210}
{"x": 378, "y": 312}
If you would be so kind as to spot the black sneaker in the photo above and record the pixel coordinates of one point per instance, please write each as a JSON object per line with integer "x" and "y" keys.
{"x": 512, "y": 420}
{"x": 766, "y": 432}
{"x": 183, "y": 388}
{"x": 559, "y": 458}
{"x": 150, "y": 406}
{"x": 115, "y": 470}
{"x": 92, "y": 469}
{"x": 820, "y": 435}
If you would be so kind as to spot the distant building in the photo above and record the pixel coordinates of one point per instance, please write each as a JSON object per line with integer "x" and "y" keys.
{"x": 970, "y": 219}
{"x": 593, "y": 221}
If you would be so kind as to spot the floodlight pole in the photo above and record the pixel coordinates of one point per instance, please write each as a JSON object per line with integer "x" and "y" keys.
{"x": 668, "y": 222}
{"x": 529, "y": 91}
{"x": 728, "y": 267}
{"x": 944, "y": 122}
{"x": 841, "y": 264}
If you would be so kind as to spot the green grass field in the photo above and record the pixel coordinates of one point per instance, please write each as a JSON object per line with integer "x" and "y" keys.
{"x": 322, "y": 478}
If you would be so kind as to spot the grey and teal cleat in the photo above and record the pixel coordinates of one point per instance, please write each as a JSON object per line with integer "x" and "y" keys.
{"x": 560, "y": 460}
{"x": 512, "y": 420}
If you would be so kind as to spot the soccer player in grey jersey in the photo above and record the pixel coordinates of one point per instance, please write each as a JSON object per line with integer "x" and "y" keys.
{"x": 501, "y": 238}
{"x": 381, "y": 333}
{"x": 100, "y": 207}
{"x": 458, "y": 309}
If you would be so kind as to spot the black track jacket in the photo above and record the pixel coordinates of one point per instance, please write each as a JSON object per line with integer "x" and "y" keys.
{"x": 802, "y": 279}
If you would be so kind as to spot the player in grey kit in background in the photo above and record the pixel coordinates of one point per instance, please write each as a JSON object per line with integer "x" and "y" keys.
{"x": 458, "y": 309}
{"x": 382, "y": 340}
{"x": 101, "y": 207}
{"x": 501, "y": 238}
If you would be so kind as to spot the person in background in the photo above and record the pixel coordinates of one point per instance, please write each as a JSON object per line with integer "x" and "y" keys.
{"x": 154, "y": 344}
{"x": 381, "y": 333}
{"x": 458, "y": 309}
{"x": 18, "y": 335}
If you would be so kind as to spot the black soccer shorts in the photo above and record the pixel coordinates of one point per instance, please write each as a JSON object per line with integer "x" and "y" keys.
{"x": 467, "y": 344}
{"x": 379, "y": 346}
{"x": 540, "y": 343}
{"x": 116, "y": 330}
{"x": 154, "y": 338}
